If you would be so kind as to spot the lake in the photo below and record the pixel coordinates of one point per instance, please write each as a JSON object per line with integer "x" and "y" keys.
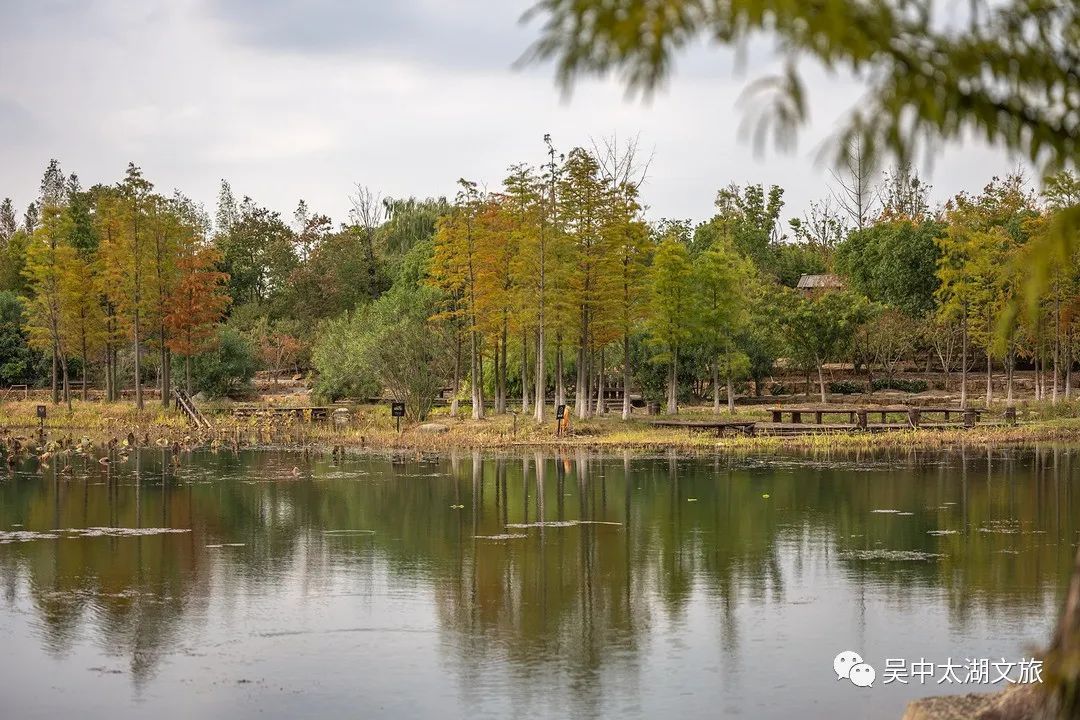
{"x": 536, "y": 585}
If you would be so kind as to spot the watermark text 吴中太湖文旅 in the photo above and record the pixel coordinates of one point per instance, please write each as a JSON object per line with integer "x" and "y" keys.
{"x": 849, "y": 665}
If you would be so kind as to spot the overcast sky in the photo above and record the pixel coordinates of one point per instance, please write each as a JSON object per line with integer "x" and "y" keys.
{"x": 291, "y": 99}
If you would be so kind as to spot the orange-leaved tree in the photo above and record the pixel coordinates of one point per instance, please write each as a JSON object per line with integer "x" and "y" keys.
{"x": 197, "y": 303}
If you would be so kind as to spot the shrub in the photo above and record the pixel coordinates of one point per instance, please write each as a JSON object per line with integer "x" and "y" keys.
{"x": 846, "y": 387}
{"x": 224, "y": 370}
{"x": 911, "y": 386}
{"x": 389, "y": 344}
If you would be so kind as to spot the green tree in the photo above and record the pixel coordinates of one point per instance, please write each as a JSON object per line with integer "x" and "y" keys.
{"x": 456, "y": 271}
{"x": 750, "y": 216}
{"x": 8, "y": 223}
{"x": 721, "y": 280}
{"x": 633, "y": 247}
{"x": 126, "y": 253}
{"x": 82, "y": 316}
{"x": 258, "y": 251}
{"x": 83, "y": 235}
{"x": 820, "y": 328}
{"x": 894, "y": 262}
{"x": 12, "y": 261}
{"x": 16, "y": 356}
{"x": 50, "y": 263}
{"x": 674, "y": 310}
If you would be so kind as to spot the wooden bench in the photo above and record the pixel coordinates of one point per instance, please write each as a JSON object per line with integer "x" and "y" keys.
{"x": 744, "y": 427}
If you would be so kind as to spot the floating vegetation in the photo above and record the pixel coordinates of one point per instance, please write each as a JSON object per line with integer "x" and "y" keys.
{"x": 905, "y": 514}
{"x": 225, "y": 545}
{"x": 125, "y": 532}
{"x": 20, "y": 536}
{"x": 559, "y": 524}
{"x": 891, "y": 555}
{"x": 1001, "y": 527}
{"x": 504, "y": 536}
{"x": 942, "y": 532}
{"x": 883, "y": 512}
{"x": 346, "y": 533}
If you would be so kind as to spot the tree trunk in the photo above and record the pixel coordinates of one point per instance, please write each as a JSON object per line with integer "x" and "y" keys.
{"x": 138, "y": 367}
{"x": 626, "y": 374}
{"x": 85, "y": 365}
{"x": 82, "y": 393}
{"x": 579, "y": 388}
{"x": 989, "y": 381}
{"x": 55, "y": 387}
{"x": 673, "y": 384}
{"x": 116, "y": 373}
{"x": 715, "y": 387}
{"x": 187, "y": 374}
{"x": 505, "y": 357}
{"x": 166, "y": 371}
{"x": 1038, "y": 369}
{"x": 457, "y": 378}
{"x": 477, "y": 376}
{"x": 821, "y": 382}
{"x": 67, "y": 385}
{"x": 1010, "y": 358}
{"x": 108, "y": 372}
{"x": 560, "y": 372}
{"x": 730, "y": 386}
{"x": 1057, "y": 345}
{"x": 963, "y": 364}
{"x": 540, "y": 378}
{"x": 601, "y": 406}
{"x": 498, "y": 398}
{"x": 524, "y": 372}
{"x": 1068, "y": 363}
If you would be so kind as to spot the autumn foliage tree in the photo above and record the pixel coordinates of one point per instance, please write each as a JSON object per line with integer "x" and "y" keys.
{"x": 196, "y": 304}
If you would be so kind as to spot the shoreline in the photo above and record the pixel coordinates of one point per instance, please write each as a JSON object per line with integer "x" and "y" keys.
{"x": 372, "y": 429}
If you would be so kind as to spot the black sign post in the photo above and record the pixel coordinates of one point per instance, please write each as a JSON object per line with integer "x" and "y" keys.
{"x": 397, "y": 410}
{"x": 41, "y": 410}
{"x": 560, "y": 412}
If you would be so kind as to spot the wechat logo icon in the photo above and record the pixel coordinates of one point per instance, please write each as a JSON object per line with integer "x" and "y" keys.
{"x": 849, "y": 665}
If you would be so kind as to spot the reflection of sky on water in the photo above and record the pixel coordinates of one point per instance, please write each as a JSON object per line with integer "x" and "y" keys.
{"x": 375, "y": 587}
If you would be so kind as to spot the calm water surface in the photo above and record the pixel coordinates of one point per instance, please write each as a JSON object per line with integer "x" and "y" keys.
{"x": 297, "y": 588}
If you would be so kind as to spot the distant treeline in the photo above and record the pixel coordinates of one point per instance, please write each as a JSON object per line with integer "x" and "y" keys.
{"x": 556, "y": 283}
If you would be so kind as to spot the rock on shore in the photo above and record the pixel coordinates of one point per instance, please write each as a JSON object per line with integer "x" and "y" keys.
{"x": 1019, "y": 702}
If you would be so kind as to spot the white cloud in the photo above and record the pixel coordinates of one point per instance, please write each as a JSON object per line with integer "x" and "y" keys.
{"x": 198, "y": 90}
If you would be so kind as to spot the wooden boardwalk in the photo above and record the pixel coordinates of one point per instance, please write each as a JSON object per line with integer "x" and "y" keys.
{"x": 859, "y": 416}
{"x": 306, "y": 413}
{"x": 893, "y": 418}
